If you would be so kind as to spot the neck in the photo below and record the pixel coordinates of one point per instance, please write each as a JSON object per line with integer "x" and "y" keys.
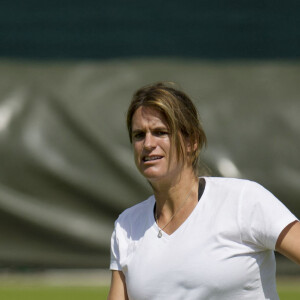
{"x": 171, "y": 195}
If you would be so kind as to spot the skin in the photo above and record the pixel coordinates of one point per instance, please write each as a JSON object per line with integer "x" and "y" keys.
{"x": 117, "y": 287}
{"x": 288, "y": 243}
{"x": 151, "y": 138}
{"x": 172, "y": 182}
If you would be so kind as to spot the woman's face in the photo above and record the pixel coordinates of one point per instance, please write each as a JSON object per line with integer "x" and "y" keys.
{"x": 152, "y": 145}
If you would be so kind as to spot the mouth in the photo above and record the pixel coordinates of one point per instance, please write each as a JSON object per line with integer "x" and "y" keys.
{"x": 151, "y": 158}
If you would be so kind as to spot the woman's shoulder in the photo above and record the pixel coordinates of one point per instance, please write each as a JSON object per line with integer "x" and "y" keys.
{"x": 249, "y": 194}
{"x": 133, "y": 222}
{"x": 232, "y": 183}
{"x": 136, "y": 211}
{"x": 236, "y": 189}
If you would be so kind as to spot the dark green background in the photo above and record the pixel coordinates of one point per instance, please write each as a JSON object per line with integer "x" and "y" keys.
{"x": 92, "y": 29}
{"x": 67, "y": 72}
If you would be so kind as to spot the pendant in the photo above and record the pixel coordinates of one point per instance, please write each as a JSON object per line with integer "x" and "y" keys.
{"x": 159, "y": 235}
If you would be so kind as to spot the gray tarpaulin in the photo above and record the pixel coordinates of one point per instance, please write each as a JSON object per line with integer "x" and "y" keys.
{"x": 66, "y": 167}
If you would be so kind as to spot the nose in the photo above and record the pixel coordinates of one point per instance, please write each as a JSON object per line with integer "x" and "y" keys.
{"x": 149, "y": 142}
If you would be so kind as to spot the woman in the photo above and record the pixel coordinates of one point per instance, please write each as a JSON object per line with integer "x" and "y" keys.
{"x": 195, "y": 238}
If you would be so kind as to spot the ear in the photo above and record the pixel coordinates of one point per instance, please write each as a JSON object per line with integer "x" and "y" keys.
{"x": 191, "y": 147}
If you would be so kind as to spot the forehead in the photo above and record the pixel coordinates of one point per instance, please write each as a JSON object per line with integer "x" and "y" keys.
{"x": 146, "y": 115}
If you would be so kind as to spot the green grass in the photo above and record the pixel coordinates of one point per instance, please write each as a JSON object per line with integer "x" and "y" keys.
{"x": 286, "y": 290}
{"x": 53, "y": 293}
{"x": 289, "y": 290}
{"x": 289, "y": 295}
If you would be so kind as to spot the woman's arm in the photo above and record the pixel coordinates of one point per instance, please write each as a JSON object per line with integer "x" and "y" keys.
{"x": 118, "y": 287}
{"x": 288, "y": 242}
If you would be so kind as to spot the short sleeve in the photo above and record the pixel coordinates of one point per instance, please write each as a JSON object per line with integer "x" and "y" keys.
{"x": 262, "y": 216}
{"x": 114, "y": 251}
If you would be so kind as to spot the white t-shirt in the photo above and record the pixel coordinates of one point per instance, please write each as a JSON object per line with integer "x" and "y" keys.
{"x": 224, "y": 249}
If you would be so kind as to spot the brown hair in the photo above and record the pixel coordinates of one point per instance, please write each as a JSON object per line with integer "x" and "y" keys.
{"x": 180, "y": 113}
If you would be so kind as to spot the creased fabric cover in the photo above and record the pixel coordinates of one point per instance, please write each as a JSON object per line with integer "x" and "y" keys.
{"x": 67, "y": 168}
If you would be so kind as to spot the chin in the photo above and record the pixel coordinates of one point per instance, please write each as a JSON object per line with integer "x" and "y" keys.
{"x": 152, "y": 175}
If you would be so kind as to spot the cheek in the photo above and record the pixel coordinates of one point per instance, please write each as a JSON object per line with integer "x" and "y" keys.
{"x": 165, "y": 145}
{"x": 136, "y": 152}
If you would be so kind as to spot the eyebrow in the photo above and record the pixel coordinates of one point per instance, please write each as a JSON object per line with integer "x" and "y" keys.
{"x": 136, "y": 131}
{"x": 154, "y": 129}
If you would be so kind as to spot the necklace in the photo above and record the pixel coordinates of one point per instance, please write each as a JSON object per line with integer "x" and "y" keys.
{"x": 159, "y": 235}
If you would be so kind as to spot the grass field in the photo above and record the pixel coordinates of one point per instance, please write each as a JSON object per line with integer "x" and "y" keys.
{"x": 287, "y": 291}
{"x": 53, "y": 293}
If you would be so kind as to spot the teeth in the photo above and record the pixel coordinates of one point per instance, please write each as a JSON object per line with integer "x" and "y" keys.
{"x": 148, "y": 158}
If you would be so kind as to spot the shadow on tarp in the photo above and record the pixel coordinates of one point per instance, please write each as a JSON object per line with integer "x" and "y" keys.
{"x": 67, "y": 169}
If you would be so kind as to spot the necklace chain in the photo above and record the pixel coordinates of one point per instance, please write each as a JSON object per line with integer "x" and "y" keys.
{"x": 159, "y": 235}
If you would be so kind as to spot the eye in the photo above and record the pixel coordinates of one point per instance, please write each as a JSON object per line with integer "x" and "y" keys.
{"x": 161, "y": 132}
{"x": 138, "y": 135}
